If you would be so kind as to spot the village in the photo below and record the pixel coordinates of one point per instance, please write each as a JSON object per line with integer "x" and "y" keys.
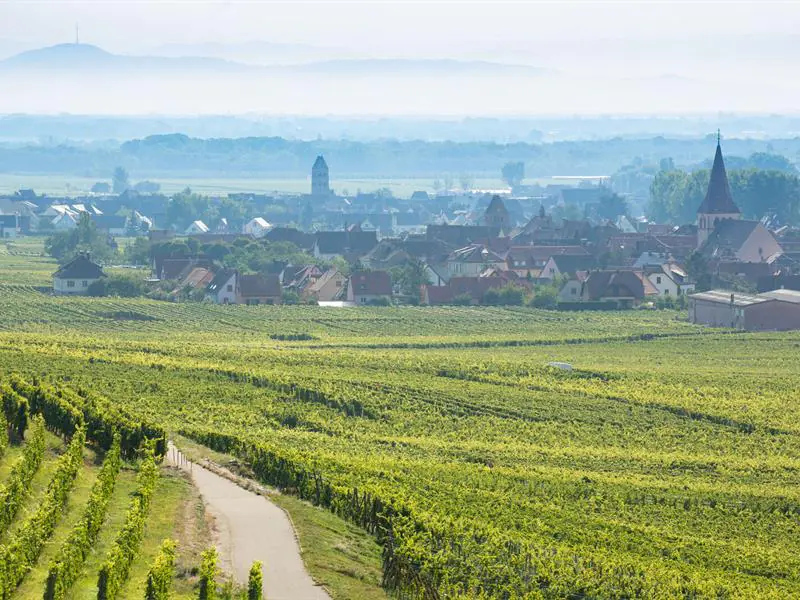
{"x": 497, "y": 247}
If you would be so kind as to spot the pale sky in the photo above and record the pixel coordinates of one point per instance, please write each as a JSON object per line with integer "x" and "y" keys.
{"x": 377, "y": 26}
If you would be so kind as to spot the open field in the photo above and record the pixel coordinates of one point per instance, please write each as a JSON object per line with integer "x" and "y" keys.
{"x": 663, "y": 465}
{"x": 66, "y": 185}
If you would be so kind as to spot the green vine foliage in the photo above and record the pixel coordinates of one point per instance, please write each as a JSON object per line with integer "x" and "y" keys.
{"x": 23, "y": 550}
{"x": 255, "y": 582}
{"x": 66, "y": 566}
{"x": 116, "y": 566}
{"x": 18, "y": 484}
{"x": 159, "y": 578}
{"x": 208, "y": 575}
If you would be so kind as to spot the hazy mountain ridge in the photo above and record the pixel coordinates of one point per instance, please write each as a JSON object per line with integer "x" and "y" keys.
{"x": 64, "y": 57}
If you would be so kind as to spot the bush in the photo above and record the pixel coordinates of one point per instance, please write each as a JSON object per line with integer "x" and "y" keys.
{"x": 464, "y": 299}
{"x": 255, "y": 582}
{"x": 544, "y": 297}
{"x": 123, "y": 286}
{"x": 508, "y": 295}
{"x": 208, "y": 575}
{"x": 161, "y": 572}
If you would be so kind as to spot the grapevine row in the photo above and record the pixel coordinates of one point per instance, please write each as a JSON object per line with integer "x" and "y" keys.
{"x": 18, "y": 483}
{"x": 118, "y": 561}
{"x": 23, "y": 551}
{"x": 66, "y": 565}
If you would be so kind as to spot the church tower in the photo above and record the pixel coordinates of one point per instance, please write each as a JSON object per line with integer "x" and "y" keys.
{"x": 320, "y": 180}
{"x": 718, "y": 203}
{"x": 496, "y": 215}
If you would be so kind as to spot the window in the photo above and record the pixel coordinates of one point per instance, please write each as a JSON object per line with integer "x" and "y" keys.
{"x": 658, "y": 279}
{"x": 338, "y": 283}
{"x": 229, "y": 287}
{"x": 552, "y": 271}
{"x": 573, "y": 291}
{"x": 70, "y": 284}
{"x": 363, "y": 300}
{"x": 84, "y": 283}
{"x": 666, "y": 292}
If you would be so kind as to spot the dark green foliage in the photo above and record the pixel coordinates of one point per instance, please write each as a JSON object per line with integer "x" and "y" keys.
{"x": 122, "y": 286}
{"x": 64, "y": 245}
{"x": 15, "y": 410}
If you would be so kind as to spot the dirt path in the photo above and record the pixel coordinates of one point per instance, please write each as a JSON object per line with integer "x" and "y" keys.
{"x": 251, "y": 528}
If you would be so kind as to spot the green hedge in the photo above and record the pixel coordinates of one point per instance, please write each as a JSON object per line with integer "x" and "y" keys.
{"x": 23, "y": 551}
{"x": 66, "y": 566}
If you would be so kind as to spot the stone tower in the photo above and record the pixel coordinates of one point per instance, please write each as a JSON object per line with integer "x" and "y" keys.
{"x": 496, "y": 215}
{"x": 320, "y": 179}
{"x": 718, "y": 203}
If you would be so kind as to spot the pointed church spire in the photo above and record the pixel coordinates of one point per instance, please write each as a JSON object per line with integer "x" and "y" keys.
{"x": 719, "y": 199}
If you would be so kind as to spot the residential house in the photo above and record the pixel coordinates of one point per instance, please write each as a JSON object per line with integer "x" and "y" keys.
{"x": 669, "y": 279}
{"x": 77, "y": 275}
{"x": 258, "y": 227}
{"x": 259, "y": 289}
{"x": 198, "y": 278}
{"x": 559, "y": 265}
{"x": 529, "y": 261}
{"x": 625, "y": 288}
{"x": 9, "y": 226}
{"x": 572, "y": 290}
{"x": 196, "y": 227}
{"x": 65, "y": 220}
{"x": 327, "y": 288}
{"x": 743, "y": 241}
{"x": 369, "y": 287}
{"x": 224, "y": 287}
{"x": 461, "y": 287}
{"x": 778, "y": 310}
{"x": 350, "y": 245}
{"x": 111, "y": 224}
{"x": 471, "y": 260}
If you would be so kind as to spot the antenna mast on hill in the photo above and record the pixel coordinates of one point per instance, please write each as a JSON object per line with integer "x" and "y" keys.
{"x": 77, "y": 39}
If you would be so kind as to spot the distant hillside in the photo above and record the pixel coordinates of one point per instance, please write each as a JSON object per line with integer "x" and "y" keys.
{"x": 84, "y": 57}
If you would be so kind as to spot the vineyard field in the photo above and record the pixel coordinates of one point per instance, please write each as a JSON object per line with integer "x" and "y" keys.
{"x": 663, "y": 465}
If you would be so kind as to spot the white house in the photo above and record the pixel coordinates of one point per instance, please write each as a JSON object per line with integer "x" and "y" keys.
{"x": 65, "y": 220}
{"x": 669, "y": 280}
{"x": 258, "y": 227}
{"x": 223, "y": 289}
{"x": 196, "y": 227}
{"x": 76, "y": 276}
{"x": 9, "y": 226}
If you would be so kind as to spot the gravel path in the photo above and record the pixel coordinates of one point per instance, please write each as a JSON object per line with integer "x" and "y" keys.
{"x": 251, "y": 528}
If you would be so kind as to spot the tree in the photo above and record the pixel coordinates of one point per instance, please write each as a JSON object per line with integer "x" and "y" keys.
{"x": 410, "y": 277}
{"x": 697, "y": 269}
{"x": 120, "y": 180}
{"x": 254, "y": 582}
{"x": 611, "y": 206}
{"x": 83, "y": 238}
{"x": 101, "y": 187}
{"x": 513, "y": 173}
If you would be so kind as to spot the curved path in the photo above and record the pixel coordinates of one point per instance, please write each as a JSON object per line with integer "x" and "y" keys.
{"x": 252, "y": 528}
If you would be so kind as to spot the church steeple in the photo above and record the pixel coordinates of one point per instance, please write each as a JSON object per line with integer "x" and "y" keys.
{"x": 718, "y": 203}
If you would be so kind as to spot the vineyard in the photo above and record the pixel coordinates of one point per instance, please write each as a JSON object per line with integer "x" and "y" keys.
{"x": 663, "y": 465}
